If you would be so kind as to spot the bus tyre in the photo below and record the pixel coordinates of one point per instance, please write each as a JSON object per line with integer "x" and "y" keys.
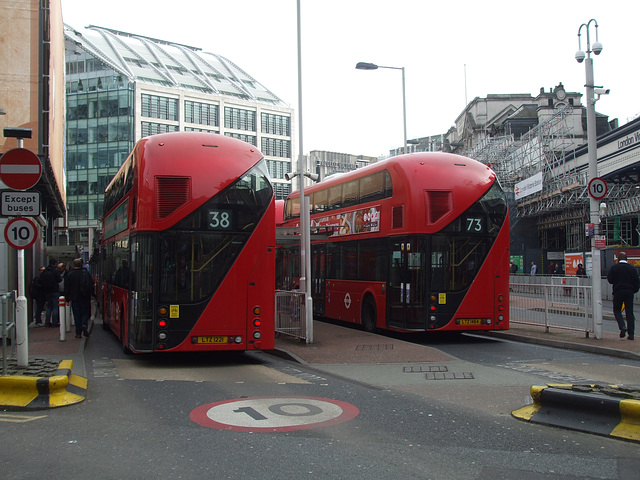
{"x": 368, "y": 315}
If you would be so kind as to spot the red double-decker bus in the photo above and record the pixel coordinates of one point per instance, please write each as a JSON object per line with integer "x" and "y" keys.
{"x": 417, "y": 242}
{"x": 188, "y": 246}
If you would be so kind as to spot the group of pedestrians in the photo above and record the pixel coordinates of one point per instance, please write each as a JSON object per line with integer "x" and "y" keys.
{"x": 54, "y": 281}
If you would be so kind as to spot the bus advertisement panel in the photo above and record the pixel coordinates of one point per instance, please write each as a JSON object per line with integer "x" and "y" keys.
{"x": 187, "y": 260}
{"x": 417, "y": 242}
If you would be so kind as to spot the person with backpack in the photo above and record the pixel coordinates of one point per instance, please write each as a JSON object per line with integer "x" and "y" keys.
{"x": 50, "y": 279}
{"x": 37, "y": 294}
{"x": 78, "y": 289}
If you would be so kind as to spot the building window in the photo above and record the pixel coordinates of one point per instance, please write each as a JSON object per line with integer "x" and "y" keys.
{"x": 281, "y": 190}
{"x": 149, "y": 128}
{"x": 245, "y": 138}
{"x": 163, "y": 108}
{"x": 275, "y": 147}
{"x": 275, "y": 124}
{"x": 239, "y": 119}
{"x": 277, "y": 169}
{"x": 201, "y": 113}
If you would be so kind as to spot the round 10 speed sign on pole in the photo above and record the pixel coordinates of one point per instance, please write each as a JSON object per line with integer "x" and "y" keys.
{"x": 597, "y": 188}
{"x": 21, "y": 232}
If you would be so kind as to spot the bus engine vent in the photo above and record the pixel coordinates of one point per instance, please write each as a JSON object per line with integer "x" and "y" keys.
{"x": 439, "y": 203}
{"x": 171, "y": 194}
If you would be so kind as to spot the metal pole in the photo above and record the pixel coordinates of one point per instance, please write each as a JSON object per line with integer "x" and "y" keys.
{"x": 404, "y": 112}
{"x": 594, "y": 205}
{"x": 22, "y": 321}
{"x": 305, "y": 241}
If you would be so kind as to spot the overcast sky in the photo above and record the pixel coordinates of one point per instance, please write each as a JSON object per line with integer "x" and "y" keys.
{"x": 452, "y": 52}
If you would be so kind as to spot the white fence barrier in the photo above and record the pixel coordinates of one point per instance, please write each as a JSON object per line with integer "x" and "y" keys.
{"x": 290, "y": 314}
{"x": 560, "y": 305}
{"x": 8, "y": 326}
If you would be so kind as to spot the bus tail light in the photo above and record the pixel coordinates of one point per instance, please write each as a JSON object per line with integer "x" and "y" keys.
{"x": 257, "y": 323}
{"x": 162, "y": 336}
{"x": 237, "y": 339}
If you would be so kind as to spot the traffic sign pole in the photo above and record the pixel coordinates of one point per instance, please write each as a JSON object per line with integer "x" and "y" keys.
{"x": 20, "y": 169}
{"x": 22, "y": 322}
{"x": 21, "y": 233}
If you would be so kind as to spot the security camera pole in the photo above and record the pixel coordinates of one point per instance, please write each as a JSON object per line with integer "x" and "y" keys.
{"x": 592, "y": 144}
{"x": 305, "y": 234}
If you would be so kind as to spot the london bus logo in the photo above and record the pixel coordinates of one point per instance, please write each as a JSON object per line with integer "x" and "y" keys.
{"x": 363, "y": 220}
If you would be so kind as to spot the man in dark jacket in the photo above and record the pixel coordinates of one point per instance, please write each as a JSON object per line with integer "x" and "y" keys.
{"x": 50, "y": 279}
{"x": 76, "y": 290}
{"x": 37, "y": 294}
{"x": 625, "y": 281}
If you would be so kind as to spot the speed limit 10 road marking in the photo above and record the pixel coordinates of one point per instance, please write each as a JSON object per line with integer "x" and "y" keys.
{"x": 273, "y": 414}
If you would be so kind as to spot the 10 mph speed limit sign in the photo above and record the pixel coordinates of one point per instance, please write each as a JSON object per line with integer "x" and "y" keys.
{"x": 21, "y": 232}
{"x": 597, "y": 188}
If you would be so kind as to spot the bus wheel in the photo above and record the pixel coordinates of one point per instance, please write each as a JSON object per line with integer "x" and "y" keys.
{"x": 368, "y": 315}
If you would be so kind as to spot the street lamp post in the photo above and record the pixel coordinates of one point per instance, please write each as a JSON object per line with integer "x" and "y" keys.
{"x": 373, "y": 66}
{"x": 592, "y": 145}
{"x": 305, "y": 221}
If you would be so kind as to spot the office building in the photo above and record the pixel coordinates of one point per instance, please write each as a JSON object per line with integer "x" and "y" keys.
{"x": 122, "y": 87}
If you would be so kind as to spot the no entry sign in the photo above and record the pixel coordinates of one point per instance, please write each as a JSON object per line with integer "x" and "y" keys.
{"x": 20, "y": 169}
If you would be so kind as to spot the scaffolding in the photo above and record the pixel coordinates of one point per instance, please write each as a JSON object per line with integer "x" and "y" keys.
{"x": 541, "y": 149}
{"x": 563, "y": 200}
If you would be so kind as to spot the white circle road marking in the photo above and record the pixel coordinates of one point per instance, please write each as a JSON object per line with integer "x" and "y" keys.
{"x": 273, "y": 414}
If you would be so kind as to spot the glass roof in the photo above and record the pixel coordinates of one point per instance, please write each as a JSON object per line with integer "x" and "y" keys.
{"x": 151, "y": 60}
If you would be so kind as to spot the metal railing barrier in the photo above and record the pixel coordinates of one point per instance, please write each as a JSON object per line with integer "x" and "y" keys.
{"x": 558, "y": 304}
{"x": 8, "y": 321}
{"x": 290, "y": 314}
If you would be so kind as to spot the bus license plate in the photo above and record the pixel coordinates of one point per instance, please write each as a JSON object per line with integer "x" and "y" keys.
{"x": 213, "y": 339}
{"x": 470, "y": 321}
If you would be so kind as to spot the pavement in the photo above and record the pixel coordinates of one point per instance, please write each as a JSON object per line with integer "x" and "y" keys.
{"x": 60, "y": 366}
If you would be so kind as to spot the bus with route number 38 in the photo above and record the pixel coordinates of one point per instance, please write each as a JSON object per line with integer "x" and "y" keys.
{"x": 187, "y": 260}
{"x": 417, "y": 242}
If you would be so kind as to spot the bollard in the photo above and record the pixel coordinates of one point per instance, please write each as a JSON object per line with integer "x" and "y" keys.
{"x": 62, "y": 313}
{"x": 68, "y": 312}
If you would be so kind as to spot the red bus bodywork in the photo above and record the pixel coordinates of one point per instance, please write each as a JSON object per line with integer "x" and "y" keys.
{"x": 188, "y": 247}
{"x": 426, "y": 250}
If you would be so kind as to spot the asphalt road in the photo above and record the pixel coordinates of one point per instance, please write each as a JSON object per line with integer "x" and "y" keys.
{"x": 187, "y": 416}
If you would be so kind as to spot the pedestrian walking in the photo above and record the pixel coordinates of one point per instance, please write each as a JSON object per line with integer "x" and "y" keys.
{"x": 78, "y": 290}
{"x": 37, "y": 293}
{"x": 551, "y": 268}
{"x": 50, "y": 279}
{"x": 534, "y": 268}
{"x": 625, "y": 281}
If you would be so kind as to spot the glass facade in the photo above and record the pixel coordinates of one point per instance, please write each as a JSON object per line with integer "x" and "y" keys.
{"x": 99, "y": 137}
{"x": 115, "y": 96}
